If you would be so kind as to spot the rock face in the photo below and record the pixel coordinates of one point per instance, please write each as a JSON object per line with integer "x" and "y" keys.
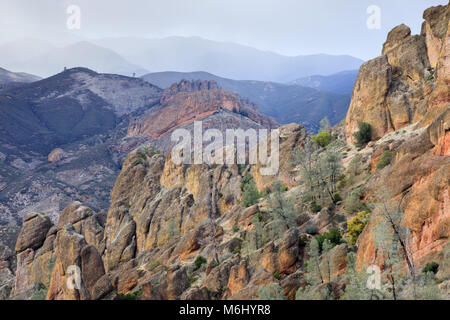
{"x": 410, "y": 86}
{"x": 162, "y": 218}
{"x": 34, "y": 230}
{"x": 50, "y": 258}
{"x": 71, "y": 147}
{"x": 189, "y": 101}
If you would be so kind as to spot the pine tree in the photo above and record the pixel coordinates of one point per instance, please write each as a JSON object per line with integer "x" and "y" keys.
{"x": 325, "y": 125}
{"x": 356, "y": 282}
{"x": 313, "y": 275}
{"x": 280, "y": 207}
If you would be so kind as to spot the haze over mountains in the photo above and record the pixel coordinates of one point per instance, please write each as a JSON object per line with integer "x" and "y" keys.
{"x": 44, "y": 59}
{"x": 127, "y": 56}
{"x": 229, "y": 60}
{"x": 341, "y": 82}
{"x": 8, "y": 76}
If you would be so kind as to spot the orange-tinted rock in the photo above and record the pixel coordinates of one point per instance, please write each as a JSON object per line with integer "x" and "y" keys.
{"x": 238, "y": 277}
{"x": 189, "y": 101}
{"x": 33, "y": 232}
{"x": 56, "y": 155}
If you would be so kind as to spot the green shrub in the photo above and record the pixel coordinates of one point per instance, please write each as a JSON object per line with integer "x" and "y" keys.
{"x": 364, "y": 135}
{"x": 130, "y": 296}
{"x": 315, "y": 207}
{"x": 431, "y": 267}
{"x": 265, "y": 192}
{"x": 199, "y": 262}
{"x": 356, "y": 225}
{"x": 277, "y": 275}
{"x": 40, "y": 294}
{"x": 337, "y": 197}
{"x": 353, "y": 203}
{"x": 385, "y": 159}
{"x": 191, "y": 280}
{"x": 246, "y": 180}
{"x": 333, "y": 235}
{"x": 251, "y": 194}
{"x": 154, "y": 265}
{"x": 323, "y": 138}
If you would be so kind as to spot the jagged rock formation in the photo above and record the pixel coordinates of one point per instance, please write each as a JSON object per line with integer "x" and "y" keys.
{"x": 180, "y": 231}
{"x": 189, "y": 101}
{"x": 409, "y": 86}
{"x": 407, "y": 83}
{"x": 65, "y": 137}
{"x": 161, "y": 218}
{"x": 287, "y": 103}
{"x": 45, "y": 253}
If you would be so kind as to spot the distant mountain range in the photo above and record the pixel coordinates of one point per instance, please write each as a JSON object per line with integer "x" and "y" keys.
{"x": 286, "y": 103}
{"x": 341, "y": 82}
{"x": 229, "y": 60}
{"x": 43, "y": 59}
{"x": 128, "y": 56}
{"x": 8, "y": 76}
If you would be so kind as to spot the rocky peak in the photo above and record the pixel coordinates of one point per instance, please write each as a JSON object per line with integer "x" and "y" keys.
{"x": 404, "y": 95}
{"x": 187, "y": 86}
{"x": 411, "y": 77}
{"x": 437, "y": 19}
{"x": 396, "y": 37}
{"x": 188, "y": 101}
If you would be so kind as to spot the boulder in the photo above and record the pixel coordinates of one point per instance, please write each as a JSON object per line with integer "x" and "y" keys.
{"x": 33, "y": 233}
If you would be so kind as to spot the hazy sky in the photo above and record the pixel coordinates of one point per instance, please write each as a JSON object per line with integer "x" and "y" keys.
{"x": 290, "y": 27}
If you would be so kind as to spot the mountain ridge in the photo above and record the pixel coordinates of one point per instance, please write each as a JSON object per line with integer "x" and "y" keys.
{"x": 286, "y": 103}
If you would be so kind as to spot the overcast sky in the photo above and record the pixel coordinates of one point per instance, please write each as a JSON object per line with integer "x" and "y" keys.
{"x": 290, "y": 27}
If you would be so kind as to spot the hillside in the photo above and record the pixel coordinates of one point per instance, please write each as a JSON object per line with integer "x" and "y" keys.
{"x": 64, "y": 138}
{"x": 8, "y": 76}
